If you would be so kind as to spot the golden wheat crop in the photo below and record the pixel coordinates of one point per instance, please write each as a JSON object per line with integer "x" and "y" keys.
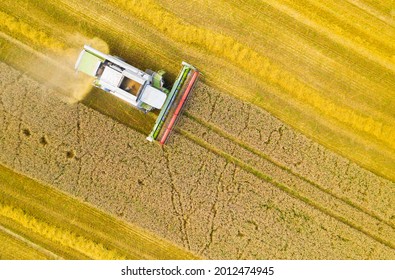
{"x": 14, "y": 247}
{"x": 208, "y": 176}
{"x": 18, "y": 28}
{"x": 255, "y": 63}
{"x": 64, "y": 237}
{"x": 350, "y": 124}
{"x": 233, "y": 176}
{"x": 285, "y": 149}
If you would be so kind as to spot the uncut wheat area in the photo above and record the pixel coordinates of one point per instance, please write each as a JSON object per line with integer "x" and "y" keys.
{"x": 285, "y": 149}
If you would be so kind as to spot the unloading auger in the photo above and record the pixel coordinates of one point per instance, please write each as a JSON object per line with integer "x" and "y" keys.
{"x": 143, "y": 90}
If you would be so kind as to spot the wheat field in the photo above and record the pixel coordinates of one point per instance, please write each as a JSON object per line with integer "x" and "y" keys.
{"x": 42, "y": 223}
{"x": 285, "y": 150}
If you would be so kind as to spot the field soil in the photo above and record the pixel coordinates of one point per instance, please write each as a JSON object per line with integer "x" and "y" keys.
{"x": 221, "y": 188}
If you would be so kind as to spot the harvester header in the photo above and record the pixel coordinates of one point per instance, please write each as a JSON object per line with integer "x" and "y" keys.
{"x": 143, "y": 90}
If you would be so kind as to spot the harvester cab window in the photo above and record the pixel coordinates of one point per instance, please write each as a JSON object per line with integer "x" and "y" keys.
{"x": 130, "y": 86}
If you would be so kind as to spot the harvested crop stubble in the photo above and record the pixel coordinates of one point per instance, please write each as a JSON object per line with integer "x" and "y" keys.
{"x": 317, "y": 70}
{"x": 384, "y": 10}
{"x": 47, "y": 54}
{"x": 15, "y": 247}
{"x": 336, "y": 28}
{"x": 294, "y": 50}
{"x": 301, "y": 48}
{"x": 265, "y": 134}
{"x": 39, "y": 38}
{"x": 185, "y": 192}
{"x": 62, "y": 236}
{"x": 71, "y": 215}
{"x": 87, "y": 154}
{"x": 55, "y": 72}
{"x": 257, "y": 64}
{"x": 337, "y": 72}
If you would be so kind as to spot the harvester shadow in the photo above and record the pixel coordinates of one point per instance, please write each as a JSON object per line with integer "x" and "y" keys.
{"x": 119, "y": 110}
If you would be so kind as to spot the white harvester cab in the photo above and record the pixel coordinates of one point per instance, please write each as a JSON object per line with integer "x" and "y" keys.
{"x": 143, "y": 90}
{"x": 122, "y": 80}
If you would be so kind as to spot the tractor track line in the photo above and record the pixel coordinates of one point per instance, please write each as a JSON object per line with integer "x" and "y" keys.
{"x": 316, "y": 101}
{"x": 84, "y": 229}
{"x": 11, "y": 195}
{"x": 373, "y": 38}
{"x": 372, "y": 11}
{"x": 225, "y": 135}
{"x": 243, "y": 145}
{"x": 298, "y": 42}
{"x": 271, "y": 180}
{"x": 294, "y": 13}
{"x": 347, "y": 57}
{"x": 282, "y": 187}
{"x": 101, "y": 5}
{"x": 260, "y": 154}
{"x": 68, "y": 5}
{"x": 109, "y": 26}
{"x": 292, "y": 51}
{"x": 7, "y": 195}
{"x": 34, "y": 52}
{"x": 29, "y": 243}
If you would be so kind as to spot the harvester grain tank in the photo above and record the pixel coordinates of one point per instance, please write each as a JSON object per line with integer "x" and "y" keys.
{"x": 143, "y": 90}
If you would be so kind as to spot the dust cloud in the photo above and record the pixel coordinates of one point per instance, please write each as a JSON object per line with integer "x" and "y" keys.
{"x": 73, "y": 86}
{"x": 55, "y": 69}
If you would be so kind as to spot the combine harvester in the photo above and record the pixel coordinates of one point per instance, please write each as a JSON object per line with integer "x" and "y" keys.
{"x": 143, "y": 90}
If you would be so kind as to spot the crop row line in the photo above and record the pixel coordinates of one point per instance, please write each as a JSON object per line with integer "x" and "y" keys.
{"x": 334, "y": 32}
{"x": 272, "y": 74}
{"x": 259, "y": 154}
{"x": 34, "y": 52}
{"x": 29, "y": 243}
{"x": 65, "y": 237}
{"x": 250, "y": 61}
{"x": 281, "y": 186}
{"x": 373, "y": 11}
{"x": 262, "y": 155}
{"x": 25, "y": 30}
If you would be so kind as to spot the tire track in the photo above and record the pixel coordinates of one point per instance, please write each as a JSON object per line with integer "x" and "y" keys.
{"x": 374, "y": 12}
{"x": 271, "y": 74}
{"x": 315, "y": 66}
{"x": 204, "y": 197}
{"x": 285, "y": 8}
{"x": 248, "y": 166}
{"x": 360, "y": 19}
{"x": 215, "y": 129}
{"x": 115, "y": 27}
{"x": 290, "y": 191}
{"x": 31, "y": 244}
{"x": 281, "y": 167}
{"x": 348, "y": 23}
{"x": 297, "y": 152}
{"x": 106, "y": 17}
